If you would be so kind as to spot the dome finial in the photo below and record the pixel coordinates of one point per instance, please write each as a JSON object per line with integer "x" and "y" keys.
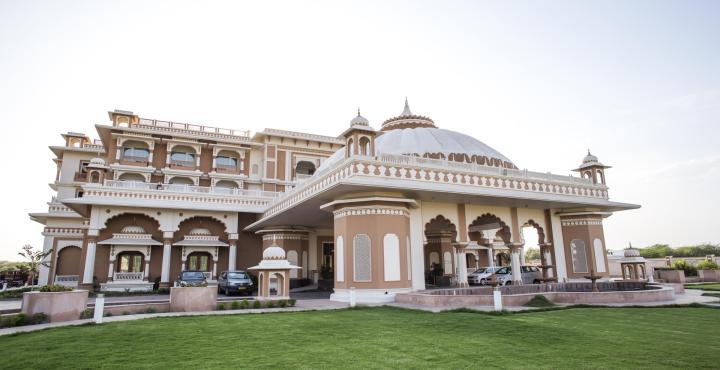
{"x": 358, "y": 111}
{"x": 406, "y": 110}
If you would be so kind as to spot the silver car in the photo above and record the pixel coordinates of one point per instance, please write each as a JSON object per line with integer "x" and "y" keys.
{"x": 529, "y": 275}
{"x": 482, "y": 275}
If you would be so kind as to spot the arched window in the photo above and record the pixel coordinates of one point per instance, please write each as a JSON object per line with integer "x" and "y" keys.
{"x": 599, "y": 255}
{"x": 340, "y": 261}
{"x": 364, "y": 145}
{"x": 351, "y": 148}
{"x": 94, "y": 177}
{"x": 305, "y": 168}
{"x": 602, "y": 177}
{"x": 227, "y": 160}
{"x": 226, "y": 184}
{"x": 135, "y": 151}
{"x": 182, "y": 156}
{"x": 179, "y": 180}
{"x": 129, "y": 176}
{"x": 579, "y": 255}
{"x": 362, "y": 259}
{"x": 391, "y": 257}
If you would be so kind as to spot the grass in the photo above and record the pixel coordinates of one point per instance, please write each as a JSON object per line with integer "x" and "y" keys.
{"x": 705, "y": 286}
{"x": 385, "y": 337}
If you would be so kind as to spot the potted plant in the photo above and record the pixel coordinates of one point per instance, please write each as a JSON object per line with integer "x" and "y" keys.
{"x": 708, "y": 270}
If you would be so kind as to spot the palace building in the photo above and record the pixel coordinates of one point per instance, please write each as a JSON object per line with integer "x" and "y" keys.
{"x": 374, "y": 210}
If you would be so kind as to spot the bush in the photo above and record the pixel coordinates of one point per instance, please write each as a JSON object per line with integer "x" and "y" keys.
{"x": 282, "y": 303}
{"x": 244, "y": 304}
{"x": 108, "y": 314}
{"x": 221, "y": 307}
{"x": 256, "y": 304}
{"x": 10, "y": 321}
{"x": 235, "y": 305}
{"x": 539, "y": 301}
{"x": 291, "y": 302}
{"x": 270, "y": 304}
{"x": 39, "y": 318}
{"x": 151, "y": 309}
{"x": 87, "y": 313}
{"x": 707, "y": 265}
{"x": 17, "y": 293}
{"x": 689, "y": 269}
{"x": 54, "y": 288}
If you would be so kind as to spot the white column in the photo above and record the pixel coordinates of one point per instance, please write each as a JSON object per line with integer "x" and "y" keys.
{"x": 522, "y": 256}
{"x": 44, "y": 277}
{"x": 312, "y": 255}
{"x": 462, "y": 269}
{"x": 548, "y": 261}
{"x": 491, "y": 257}
{"x": 516, "y": 266}
{"x": 111, "y": 268}
{"x": 89, "y": 262}
{"x": 146, "y": 273}
{"x": 416, "y": 249}
{"x": 214, "y": 271}
{"x": 165, "y": 272}
{"x": 560, "y": 269}
{"x": 232, "y": 255}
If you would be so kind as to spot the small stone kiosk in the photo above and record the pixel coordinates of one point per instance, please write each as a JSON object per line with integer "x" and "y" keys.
{"x": 274, "y": 268}
{"x": 633, "y": 265}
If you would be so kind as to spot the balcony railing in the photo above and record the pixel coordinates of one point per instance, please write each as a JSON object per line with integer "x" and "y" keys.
{"x": 192, "y": 189}
{"x": 191, "y": 129}
{"x": 227, "y": 169}
{"x": 67, "y": 280}
{"x": 128, "y": 276}
{"x": 186, "y": 164}
{"x": 133, "y": 159}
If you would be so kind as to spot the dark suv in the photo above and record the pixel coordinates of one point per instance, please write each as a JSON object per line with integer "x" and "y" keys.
{"x": 231, "y": 282}
{"x": 191, "y": 278}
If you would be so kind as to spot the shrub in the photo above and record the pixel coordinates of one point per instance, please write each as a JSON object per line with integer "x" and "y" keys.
{"x": 539, "y": 301}
{"x": 151, "y": 309}
{"x": 689, "y": 269}
{"x": 125, "y": 313}
{"x": 270, "y": 304}
{"x": 256, "y": 304}
{"x": 87, "y": 313}
{"x": 707, "y": 265}
{"x": 235, "y": 305}
{"x": 108, "y": 314}
{"x": 54, "y": 288}
{"x": 221, "y": 307}
{"x": 17, "y": 293}
{"x": 10, "y": 321}
{"x": 291, "y": 302}
{"x": 282, "y": 303}
{"x": 244, "y": 304}
{"x": 39, "y": 318}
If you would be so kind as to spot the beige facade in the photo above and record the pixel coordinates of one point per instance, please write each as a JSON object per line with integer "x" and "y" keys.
{"x": 382, "y": 210}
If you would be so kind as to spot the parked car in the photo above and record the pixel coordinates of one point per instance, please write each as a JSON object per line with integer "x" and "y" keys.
{"x": 190, "y": 279}
{"x": 231, "y": 282}
{"x": 482, "y": 275}
{"x": 529, "y": 275}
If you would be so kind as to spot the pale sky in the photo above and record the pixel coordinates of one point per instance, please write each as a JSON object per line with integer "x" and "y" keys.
{"x": 637, "y": 82}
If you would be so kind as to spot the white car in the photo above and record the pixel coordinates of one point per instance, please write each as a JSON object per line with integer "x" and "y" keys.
{"x": 482, "y": 275}
{"x": 529, "y": 275}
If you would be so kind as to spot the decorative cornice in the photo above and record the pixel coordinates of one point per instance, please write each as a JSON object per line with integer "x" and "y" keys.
{"x": 581, "y": 222}
{"x": 63, "y": 231}
{"x": 371, "y": 211}
{"x": 284, "y": 237}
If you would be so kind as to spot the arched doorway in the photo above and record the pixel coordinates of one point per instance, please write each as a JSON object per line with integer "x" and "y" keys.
{"x": 440, "y": 234}
{"x": 494, "y": 234}
{"x": 202, "y": 244}
{"x": 67, "y": 266}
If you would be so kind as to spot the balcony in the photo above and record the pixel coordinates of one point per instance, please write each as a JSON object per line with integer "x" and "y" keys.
{"x": 128, "y": 276}
{"x": 183, "y": 165}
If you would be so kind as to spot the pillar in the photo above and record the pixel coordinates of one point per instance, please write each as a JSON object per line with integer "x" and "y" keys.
{"x": 111, "y": 270}
{"x": 89, "y": 260}
{"x": 491, "y": 257}
{"x": 146, "y": 271}
{"x": 417, "y": 255}
{"x": 232, "y": 254}
{"x": 167, "y": 250}
{"x": 516, "y": 266}
{"x": 547, "y": 261}
{"x": 214, "y": 271}
{"x": 462, "y": 280}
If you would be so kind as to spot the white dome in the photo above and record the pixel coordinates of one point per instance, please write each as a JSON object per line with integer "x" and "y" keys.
{"x": 274, "y": 253}
{"x": 359, "y": 120}
{"x": 432, "y": 142}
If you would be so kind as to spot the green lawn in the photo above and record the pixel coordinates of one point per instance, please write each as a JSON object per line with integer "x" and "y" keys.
{"x": 706, "y": 286}
{"x": 384, "y": 337}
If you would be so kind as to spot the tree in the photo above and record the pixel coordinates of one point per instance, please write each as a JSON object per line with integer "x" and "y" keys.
{"x": 532, "y": 254}
{"x": 34, "y": 260}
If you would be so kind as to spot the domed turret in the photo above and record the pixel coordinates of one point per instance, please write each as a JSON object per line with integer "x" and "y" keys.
{"x": 274, "y": 253}
{"x": 592, "y": 169}
{"x": 359, "y": 120}
{"x": 407, "y": 119}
